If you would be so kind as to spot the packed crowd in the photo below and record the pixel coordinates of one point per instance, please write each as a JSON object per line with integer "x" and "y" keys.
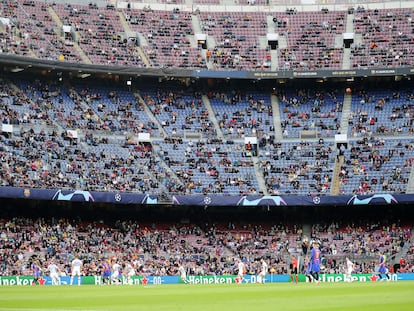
{"x": 365, "y": 240}
{"x": 359, "y": 240}
{"x": 152, "y": 251}
{"x": 208, "y": 249}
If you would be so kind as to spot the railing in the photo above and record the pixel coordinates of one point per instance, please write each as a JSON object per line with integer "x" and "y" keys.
{"x": 271, "y": 5}
{"x": 241, "y": 5}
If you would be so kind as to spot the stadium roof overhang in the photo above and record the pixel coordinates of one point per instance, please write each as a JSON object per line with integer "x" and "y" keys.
{"x": 14, "y": 63}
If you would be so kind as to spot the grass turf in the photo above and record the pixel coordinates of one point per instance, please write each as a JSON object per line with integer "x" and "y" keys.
{"x": 273, "y": 296}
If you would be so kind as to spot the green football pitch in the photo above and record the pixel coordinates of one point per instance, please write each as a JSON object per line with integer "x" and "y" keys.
{"x": 273, "y": 296}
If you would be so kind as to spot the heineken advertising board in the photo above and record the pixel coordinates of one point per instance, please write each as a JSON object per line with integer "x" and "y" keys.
{"x": 199, "y": 280}
{"x": 335, "y": 278}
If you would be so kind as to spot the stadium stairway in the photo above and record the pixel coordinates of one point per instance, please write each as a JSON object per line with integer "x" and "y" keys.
{"x": 271, "y": 25}
{"x": 58, "y": 22}
{"x": 346, "y": 62}
{"x": 306, "y": 232}
{"x": 160, "y": 159}
{"x": 349, "y": 28}
{"x": 128, "y": 30}
{"x": 212, "y": 115}
{"x": 259, "y": 176}
{"x": 275, "y": 59}
{"x": 195, "y": 22}
{"x": 151, "y": 115}
{"x": 335, "y": 179}
{"x": 404, "y": 250}
{"x": 276, "y": 118}
{"x": 346, "y": 110}
{"x": 410, "y": 185}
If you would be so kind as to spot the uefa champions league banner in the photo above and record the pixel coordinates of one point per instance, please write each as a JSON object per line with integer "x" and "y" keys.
{"x": 292, "y": 200}
{"x": 77, "y": 195}
{"x": 201, "y": 280}
{"x": 203, "y": 200}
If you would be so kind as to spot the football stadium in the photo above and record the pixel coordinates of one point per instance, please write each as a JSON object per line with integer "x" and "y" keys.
{"x": 206, "y": 154}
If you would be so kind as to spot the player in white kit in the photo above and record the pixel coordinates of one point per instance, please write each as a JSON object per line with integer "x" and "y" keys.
{"x": 54, "y": 272}
{"x": 76, "y": 270}
{"x": 116, "y": 273}
{"x": 261, "y": 276}
{"x": 349, "y": 269}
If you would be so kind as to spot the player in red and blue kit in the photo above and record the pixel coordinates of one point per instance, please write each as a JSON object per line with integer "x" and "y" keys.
{"x": 106, "y": 272}
{"x": 382, "y": 269}
{"x": 315, "y": 262}
{"x": 307, "y": 266}
{"x": 36, "y": 272}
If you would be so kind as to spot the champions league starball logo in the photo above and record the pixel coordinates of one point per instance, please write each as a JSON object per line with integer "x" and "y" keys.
{"x": 316, "y": 200}
{"x": 207, "y": 200}
{"x": 118, "y": 197}
{"x": 373, "y": 199}
{"x": 77, "y": 195}
{"x": 265, "y": 200}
